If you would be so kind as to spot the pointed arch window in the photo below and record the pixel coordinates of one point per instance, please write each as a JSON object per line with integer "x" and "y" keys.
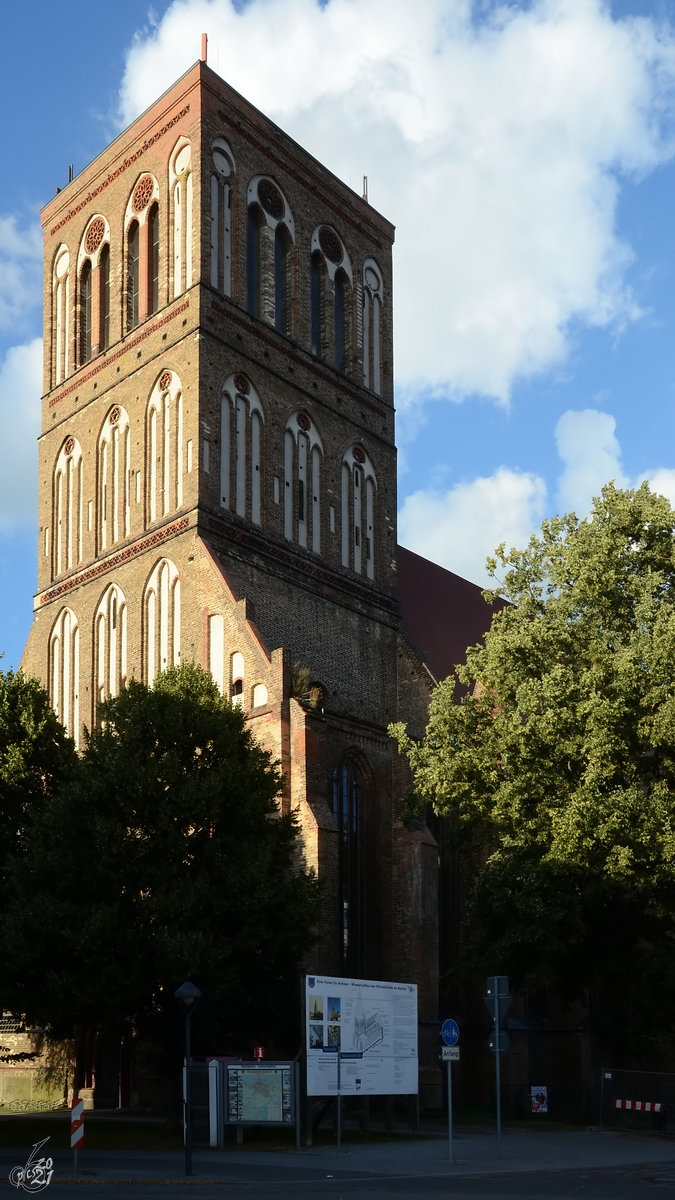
{"x": 61, "y": 315}
{"x": 64, "y": 671}
{"x": 269, "y": 254}
{"x": 181, "y": 201}
{"x": 331, "y": 288}
{"x": 93, "y": 273}
{"x": 162, "y": 617}
{"x": 153, "y": 259}
{"x": 346, "y": 808}
{"x": 67, "y": 507}
{"x": 110, "y": 643}
{"x": 373, "y": 299}
{"x": 222, "y": 172}
{"x": 241, "y": 437}
{"x": 114, "y": 478}
{"x": 358, "y": 512}
{"x": 164, "y": 450}
{"x": 133, "y": 274}
{"x": 303, "y": 460}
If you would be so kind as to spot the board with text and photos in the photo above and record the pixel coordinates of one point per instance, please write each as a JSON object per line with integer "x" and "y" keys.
{"x": 371, "y": 1025}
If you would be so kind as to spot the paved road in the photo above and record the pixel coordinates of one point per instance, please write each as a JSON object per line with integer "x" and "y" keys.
{"x": 542, "y": 1166}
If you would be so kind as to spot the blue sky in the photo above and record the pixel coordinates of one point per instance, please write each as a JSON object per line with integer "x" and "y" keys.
{"x": 527, "y": 156}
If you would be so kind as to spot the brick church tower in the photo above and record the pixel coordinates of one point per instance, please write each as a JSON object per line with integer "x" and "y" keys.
{"x": 218, "y": 483}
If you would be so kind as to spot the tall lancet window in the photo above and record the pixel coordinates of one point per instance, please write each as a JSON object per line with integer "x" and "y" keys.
{"x": 64, "y": 671}
{"x": 347, "y": 798}
{"x": 161, "y": 611}
{"x": 61, "y": 315}
{"x": 270, "y": 261}
{"x": 180, "y": 182}
{"x": 222, "y": 173}
{"x": 110, "y": 643}
{"x": 303, "y": 461}
{"x": 143, "y": 227}
{"x": 331, "y": 290}
{"x": 93, "y": 269}
{"x": 67, "y": 507}
{"x": 358, "y": 512}
{"x": 164, "y": 448}
{"x": 373, "y": 299}
{"x": 241, "y": 438}
{"x": 114, "y": 478}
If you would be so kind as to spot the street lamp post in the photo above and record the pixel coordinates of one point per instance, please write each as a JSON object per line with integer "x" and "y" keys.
{"x": 187, "y": 996}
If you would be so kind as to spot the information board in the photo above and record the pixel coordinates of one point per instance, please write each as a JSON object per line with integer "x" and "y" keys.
{"x": 372, "y": 1025}
{"x": 260, "y": 1093}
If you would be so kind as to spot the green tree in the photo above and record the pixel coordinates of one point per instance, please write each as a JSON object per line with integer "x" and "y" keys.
{"x": 36, "y": 757}
{"x": 558, "y": 766}
{"x": 167, "y": 857}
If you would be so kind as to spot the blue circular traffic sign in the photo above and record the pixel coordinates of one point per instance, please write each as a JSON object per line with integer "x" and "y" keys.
{"x": 450, "y": 1033}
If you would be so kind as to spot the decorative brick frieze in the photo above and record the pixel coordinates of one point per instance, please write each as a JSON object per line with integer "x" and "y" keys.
{"x": 111, "y": 358}
{"x": 115, "y": 560}
{"x": 124, "y": 166}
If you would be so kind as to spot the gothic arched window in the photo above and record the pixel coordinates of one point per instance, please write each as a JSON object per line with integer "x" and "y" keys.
{"x": 110, "y": 643}
{"x": 161, "y": 612}
{"x": 142, "y": 238}
{"x": 241, "y": 429}
{"x": 64, "y": 671}
{"x": 133, "y": 274}
{"x": 93, "y": 266}
{"x": 303, "y": 457}
{"x": 358, "y": 512}
{"x": 222, "y": 170}
{"x": 180, "y": 180}
{"x": 114, "y": 478}
{"x": 331, "y": 292}
{"x": 164, "y": 448}
{"x": 270, "y": 240}
{"x": 67, "y": 507}
{"x": 373, "y": 294}
{"x": 346, "y": 808}
{"x": 61, "y": 315}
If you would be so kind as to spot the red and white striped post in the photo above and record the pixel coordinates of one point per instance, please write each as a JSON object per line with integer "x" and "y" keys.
{"x": 76, "y": 1128}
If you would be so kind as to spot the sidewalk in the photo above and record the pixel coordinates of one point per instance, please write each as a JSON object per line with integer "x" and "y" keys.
{"x": 475, "y": 1154}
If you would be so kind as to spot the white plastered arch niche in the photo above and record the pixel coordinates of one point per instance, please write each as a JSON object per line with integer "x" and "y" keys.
{"x": 373, "y": 300}
{"x": 142, "y": 196}
{"x": 110, "y": 643}
{"x": 358, "y": 511}
{"x": 327, "y": 242}
{"x": 241, "y": 431}
{"x": 94, "y": 239}
{"x": 64, "y": 671}
{"x": 270, "y": 239}
{"x": 61, "y": 304}
{"x": 222, "y": 169}
{"x": 93, "y": 289}
{"x": 180, "y": 190}
{"x": 303, "y": 458}
{"x": 268, "y": 204}
{"x": 114, "y": 478}
{"x": 161, "y": 617}
{"x": 164, "y": 456}
{"x": 66, "y": 508}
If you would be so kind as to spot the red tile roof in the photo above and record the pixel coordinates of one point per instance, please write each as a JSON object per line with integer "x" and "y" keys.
{"x": 442, "y": 613}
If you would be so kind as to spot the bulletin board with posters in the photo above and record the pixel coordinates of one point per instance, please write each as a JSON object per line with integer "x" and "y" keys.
{"x": 371, "y": 1025}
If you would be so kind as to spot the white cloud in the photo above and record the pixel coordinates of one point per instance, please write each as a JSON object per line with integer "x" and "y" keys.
{"x": 459, "y": 528}
{"x": 494, "y": 144}
{"x": 661, "y": 480}
{"x": 591, "y": 456}
{"x": 20, "y": 270}
{"x": 20, "y": 391}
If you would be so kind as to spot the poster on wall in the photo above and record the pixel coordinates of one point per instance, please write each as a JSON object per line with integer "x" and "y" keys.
{"x": 539, "y": 1099}
{"x": 371, "y": 1026}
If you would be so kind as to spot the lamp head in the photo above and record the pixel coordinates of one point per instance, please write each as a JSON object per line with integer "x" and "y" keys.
{"x": 187, "y": 996}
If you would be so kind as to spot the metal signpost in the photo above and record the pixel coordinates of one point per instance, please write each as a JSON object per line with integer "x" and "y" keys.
{"x": 76, "y": 1129}
{"x": 498, "y": 1001}
{"x": 450, "y": 1054}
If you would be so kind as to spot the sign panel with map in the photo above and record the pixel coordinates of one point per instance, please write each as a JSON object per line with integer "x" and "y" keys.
{"x": 260, "y": 1093}
{"x": 371, "y": 1025}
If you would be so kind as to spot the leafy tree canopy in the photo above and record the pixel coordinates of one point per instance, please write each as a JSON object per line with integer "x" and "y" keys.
{"x": 558, "y": 765}
{"x": 165, "y": 858}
